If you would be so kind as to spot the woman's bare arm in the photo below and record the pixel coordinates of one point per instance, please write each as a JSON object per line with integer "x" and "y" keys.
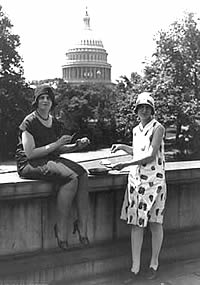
{"x": 128, "y": 149}
{"x": 149, "y": 155}
{"x": 32, "y": 152}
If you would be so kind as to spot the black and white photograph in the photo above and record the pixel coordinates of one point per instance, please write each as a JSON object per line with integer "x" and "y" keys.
{"x": 99, "y": 142}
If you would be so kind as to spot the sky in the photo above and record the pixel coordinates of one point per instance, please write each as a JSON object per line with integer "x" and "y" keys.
{"x": 48, "y": 28}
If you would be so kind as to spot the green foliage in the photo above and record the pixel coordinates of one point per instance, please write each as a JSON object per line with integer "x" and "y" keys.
{"x": 10, "y": 59}
{"x": 173, "y": 76}
{"x": 87, "y": 110}
{"x": 124, "y": 114}
{"x": 13, "y": 90}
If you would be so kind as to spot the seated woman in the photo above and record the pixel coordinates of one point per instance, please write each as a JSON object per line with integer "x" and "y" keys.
{"x": 38, "y": 157}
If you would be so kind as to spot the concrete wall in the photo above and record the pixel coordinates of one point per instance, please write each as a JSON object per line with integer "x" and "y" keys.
{"x": 27, "y": 209}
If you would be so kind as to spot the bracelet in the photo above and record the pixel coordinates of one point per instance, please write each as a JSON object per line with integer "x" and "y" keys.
{"x": 47, "y": 147}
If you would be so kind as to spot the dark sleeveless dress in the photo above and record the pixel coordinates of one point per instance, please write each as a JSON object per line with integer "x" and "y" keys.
{"x": 38, "y": 168}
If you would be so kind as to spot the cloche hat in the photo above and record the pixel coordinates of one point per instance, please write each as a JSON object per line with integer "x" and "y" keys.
{"x": 145, "y": 98}
{"x": 43, "y": 89}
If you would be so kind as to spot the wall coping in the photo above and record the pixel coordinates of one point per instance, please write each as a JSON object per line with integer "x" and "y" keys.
{"x": 14, "y": 187}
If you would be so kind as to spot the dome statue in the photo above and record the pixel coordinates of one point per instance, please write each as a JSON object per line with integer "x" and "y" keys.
{"x": 86, "y": 61}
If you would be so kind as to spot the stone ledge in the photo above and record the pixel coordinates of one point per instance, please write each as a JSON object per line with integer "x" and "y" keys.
{"x": 27, "y": 223}
{"x": 14, "y": 187}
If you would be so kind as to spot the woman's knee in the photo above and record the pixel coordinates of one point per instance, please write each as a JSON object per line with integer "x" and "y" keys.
{"x": 155, "y": 226}
{"x": 71, "y": 186}
{"x": 136, "y": 228}
{"x": 83, "y": 179}
{"x": 74, "y": 181}
{"x": 84, "y": 176}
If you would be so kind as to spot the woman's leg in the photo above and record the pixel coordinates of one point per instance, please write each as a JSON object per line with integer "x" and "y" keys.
{"x": 82, "y": 203}
{"x": 67, "y": 191}
{"x": 66, "y": 194}
{"x": 157, "y": 239}
{"x": 136, "y": 245}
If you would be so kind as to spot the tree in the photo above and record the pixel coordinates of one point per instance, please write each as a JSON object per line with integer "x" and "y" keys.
{"x": 173, "y": 76}
{"x": 87, "y": 109}
{"x": 126, "y": 92}
{"x": 14, "y": 92}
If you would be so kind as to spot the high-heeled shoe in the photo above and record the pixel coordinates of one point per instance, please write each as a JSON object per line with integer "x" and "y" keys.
{"x": 61, "y": 243}
{"x": 83, "y": 240}
{"x": 151, "y": 274}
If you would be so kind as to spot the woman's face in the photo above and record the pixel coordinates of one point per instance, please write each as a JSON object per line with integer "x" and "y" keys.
{"x": 44, "y": 102}
{"x": 144, "y": 111}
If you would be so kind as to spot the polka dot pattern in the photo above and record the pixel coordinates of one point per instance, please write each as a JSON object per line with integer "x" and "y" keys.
{"x": 145, "y": 195}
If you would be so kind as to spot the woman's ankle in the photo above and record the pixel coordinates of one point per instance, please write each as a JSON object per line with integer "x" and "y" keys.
{"x": 82, "y": 227}
{"x": 62, "y": 232}
{"x": 154, "y": 266}
{"x": 135, "y": 268}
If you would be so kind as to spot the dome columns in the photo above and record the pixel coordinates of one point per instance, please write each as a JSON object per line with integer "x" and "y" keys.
{"x": 97, "y": 74}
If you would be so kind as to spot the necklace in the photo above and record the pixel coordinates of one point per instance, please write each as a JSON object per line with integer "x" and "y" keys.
{"x": 45, "y": 119}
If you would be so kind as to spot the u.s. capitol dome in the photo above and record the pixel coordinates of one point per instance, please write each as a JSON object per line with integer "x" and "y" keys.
{"x": 86, "y": 60}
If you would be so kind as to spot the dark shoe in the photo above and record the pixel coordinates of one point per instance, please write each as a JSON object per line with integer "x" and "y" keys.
{"x": 135, "y": 276}
{"x": 152, "y": 274}
{"x": 131, "y": 277}
{"x": 83, "y": 240}
{"x": 61, "y": 243}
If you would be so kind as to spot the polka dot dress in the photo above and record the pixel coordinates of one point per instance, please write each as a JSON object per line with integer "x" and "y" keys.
{"x": 145, "y": 195}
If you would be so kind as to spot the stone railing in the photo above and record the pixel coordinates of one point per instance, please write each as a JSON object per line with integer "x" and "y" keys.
{"x": 27, "y": 208}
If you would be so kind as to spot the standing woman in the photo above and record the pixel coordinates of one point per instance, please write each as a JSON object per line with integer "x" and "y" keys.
{"x": 145, "y": 195}
{"x": 38, "y": 157}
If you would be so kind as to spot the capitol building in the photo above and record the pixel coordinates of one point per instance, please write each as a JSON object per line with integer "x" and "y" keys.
{"x": 86, "y": 61}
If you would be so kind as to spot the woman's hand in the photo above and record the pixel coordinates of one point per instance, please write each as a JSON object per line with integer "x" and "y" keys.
{"x": 118, "y": 166}
{"x": 82, "y": 143}
{"x": 116, "y": 147}
{"x": 65, "y": 139}
{"x": 128, "y": 149}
